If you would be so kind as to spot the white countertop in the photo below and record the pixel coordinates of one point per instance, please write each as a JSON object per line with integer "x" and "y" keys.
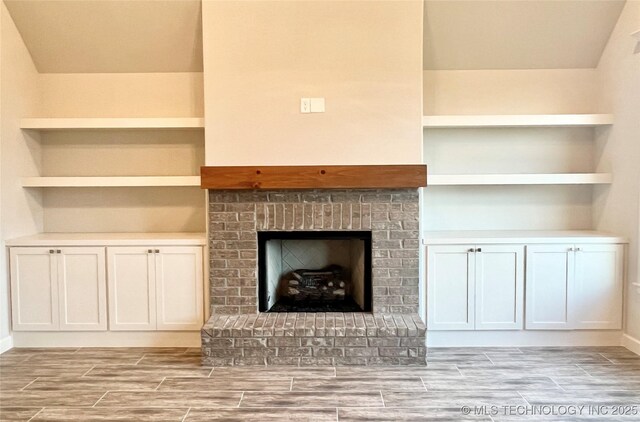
{"x": 110, "y": 239}
{"x": 518, "y": 236}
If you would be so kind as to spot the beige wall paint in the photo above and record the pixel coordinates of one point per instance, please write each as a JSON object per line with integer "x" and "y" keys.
{"x": 512, "y": 34}
{"x": 165, "y": 209}
{"x": 617, "y": 208}
{"x": 79, "y": 36}
{"x": 261, "y": 57}
{"x": 509, "y": 150}
{"x": 544, "y": 91}
{"x": 121, "y": 95}
{"x": 123, "y": 153}
{"x": 21, "y": 209}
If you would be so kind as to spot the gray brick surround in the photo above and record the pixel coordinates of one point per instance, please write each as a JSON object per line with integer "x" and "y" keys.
{"x": 237, "y": 334}
{"x": 236, "y": 217}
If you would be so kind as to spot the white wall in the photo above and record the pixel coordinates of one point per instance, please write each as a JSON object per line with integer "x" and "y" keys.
{"x": 509, "y": 150}
{"x": 122, "y": 153}
{"x": 21, "y": 210}
{"x": 543, "y": 91}
{"x": 261, "y": 57}
{"x": 617, "y": 208}
{"x": 121, "y": 95}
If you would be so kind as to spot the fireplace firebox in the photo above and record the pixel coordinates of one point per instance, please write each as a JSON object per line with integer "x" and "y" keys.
{"x": 314, "y": 271}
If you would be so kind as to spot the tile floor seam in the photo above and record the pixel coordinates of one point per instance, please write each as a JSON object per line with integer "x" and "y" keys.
{"x": 607, "y": 358}
{"x": 337, "y": 415}
{"x": 184, "y": 418}
{"x": 291, "y": 386}
{"x": 143, "y": 355}
{"x": 210, "y": 373}
{"x": 22, "y": 389}
{"x": 101, "y": 397}
{"x": 240, "y": 401}
{"x": 585, "y": 371}
{"x": 382, "y": 398}
{"x": 487, "y": 356}
{"x": 524, "y": 398}
{"x": 423, "y": 384}
{"x": 556, "y": 383}
{"x": 459, "y": 371}
{"x": 90, "y": 369}
{"x": 158, "y": 386}
{"x": 31, "y": 418}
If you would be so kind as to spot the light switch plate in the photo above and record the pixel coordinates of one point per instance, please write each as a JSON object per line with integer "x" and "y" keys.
{"x": 317, "y": 105}
{"x": 305, "y": 105}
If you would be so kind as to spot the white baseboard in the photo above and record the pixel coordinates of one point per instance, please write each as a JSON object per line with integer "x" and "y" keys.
{"x": 631, "y": 343}
{"x": 107, "y": 339}
{"x": 6, "y": 344}
{"x": 523, "y": 338}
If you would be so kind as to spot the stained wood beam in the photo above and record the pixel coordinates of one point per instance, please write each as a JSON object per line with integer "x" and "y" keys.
{"x": 314, "y": 177}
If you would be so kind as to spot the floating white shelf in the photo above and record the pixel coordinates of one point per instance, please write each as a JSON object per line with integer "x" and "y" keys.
{"x": 113, "y": 123}
{"x": 519, "y": 179}
{"x": 518, "y": 236}
{"x": 522, "y": 120}
{"x": 109, "y": 239}
{"x": 111, "y": 181}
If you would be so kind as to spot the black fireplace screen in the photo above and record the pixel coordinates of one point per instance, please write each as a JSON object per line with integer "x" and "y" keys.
{"x": 314, "y": 271}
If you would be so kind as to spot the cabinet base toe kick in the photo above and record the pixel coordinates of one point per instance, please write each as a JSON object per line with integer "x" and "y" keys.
{"x": 146, "y": 339}
{"x": 524, "y": 338}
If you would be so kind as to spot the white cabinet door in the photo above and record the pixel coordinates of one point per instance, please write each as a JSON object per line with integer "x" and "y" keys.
{"x": 179, "y": 288}
{"x": 450, "y": 287}
{"x": 549, "y": 282}
{"x": 132, "y": 288}
{"x": 82, "y": 289}
{"x": 34, "y": 289}
{"x": 597, "y": 296}
{"x": 499, "y": 287}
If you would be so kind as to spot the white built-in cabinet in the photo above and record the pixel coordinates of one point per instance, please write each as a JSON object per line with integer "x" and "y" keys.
{"x": 155, "y": 288}
{"x": 475, "y": 287}
{"x": 574, "y": 286}
{"x": 551, "y": 283}
{"x": 58, "y": 289}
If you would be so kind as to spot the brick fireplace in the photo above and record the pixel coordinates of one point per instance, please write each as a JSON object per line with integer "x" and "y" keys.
{"x": 237, "y": 333}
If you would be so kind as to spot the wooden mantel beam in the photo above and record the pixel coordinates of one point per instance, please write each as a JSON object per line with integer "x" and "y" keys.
{"x": 314, "y": 177}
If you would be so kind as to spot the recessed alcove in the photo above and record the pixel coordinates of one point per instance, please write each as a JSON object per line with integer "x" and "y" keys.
{"x": 314, "y": 271}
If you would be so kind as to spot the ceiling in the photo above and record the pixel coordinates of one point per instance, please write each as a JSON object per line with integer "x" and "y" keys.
{"x": 534, "y": 34}
{"x": 96, "y": 36}
{"x": 104, "y": 36}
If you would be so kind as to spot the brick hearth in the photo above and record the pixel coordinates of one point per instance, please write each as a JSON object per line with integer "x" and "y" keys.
{"x": 232, "y": 337}
{"x": 314, "y": 339}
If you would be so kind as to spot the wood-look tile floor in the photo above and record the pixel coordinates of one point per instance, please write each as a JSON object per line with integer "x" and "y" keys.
{"x": 170, "y": 385}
